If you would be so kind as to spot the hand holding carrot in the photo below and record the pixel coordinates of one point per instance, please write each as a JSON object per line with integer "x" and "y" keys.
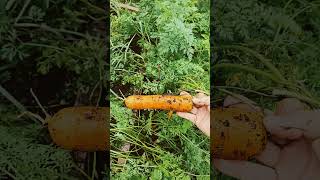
{"x": 293, "y": 153}
{"x": 200, "y": 113}
{"x": 196, "y": 109}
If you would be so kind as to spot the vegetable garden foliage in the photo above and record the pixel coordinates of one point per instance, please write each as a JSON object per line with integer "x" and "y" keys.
{"x": 267, "y": 50}
{"x": 161, "y": 49}
{"x": 57, "y": 48}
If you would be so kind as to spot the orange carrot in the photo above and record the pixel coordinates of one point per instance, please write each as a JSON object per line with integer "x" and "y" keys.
{"x": 80, "y": 128}
{"x": 182, "y": 103}
{"x": 237, "y": 134}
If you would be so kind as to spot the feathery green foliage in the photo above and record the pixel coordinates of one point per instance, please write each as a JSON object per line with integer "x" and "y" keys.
{"x": 161, "y": 49}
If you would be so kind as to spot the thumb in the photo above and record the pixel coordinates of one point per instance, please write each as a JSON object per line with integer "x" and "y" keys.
{"x": 294, "y": 125}
{"x": 273, "y": 125}
{"x": 201, "y": 100}
{"x": 189, "y": 116}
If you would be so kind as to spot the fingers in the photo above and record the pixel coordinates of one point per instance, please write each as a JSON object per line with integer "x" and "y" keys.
{"x": 191, "y": 117}
{"x": 273, "y": 125}
{"x": 270, "y": 155}
{"x": 231, "y": 101}
{"x": 316, "y": 147}
{"x": 201, "y": 119}
{"x": 275, "y": 139}
{"x": 267, "y": 112}
{"x": 278, "y": 141}
{"x": 285, "y": 107}
{"x": 295, "y": 125}
{"x": 194, "y": 110}
{"x": 289, "y": 105}
{"x": 245, "y": 170}
{"x": 239, "y": 99}
{"x": 295, "y": 160}
{"x": 201, "y": 100}
{"x": 184, "y": 93}
{"x": 308, "y": 122}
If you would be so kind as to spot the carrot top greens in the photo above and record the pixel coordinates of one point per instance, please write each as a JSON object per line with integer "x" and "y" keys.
{"x": 162, "y": 49}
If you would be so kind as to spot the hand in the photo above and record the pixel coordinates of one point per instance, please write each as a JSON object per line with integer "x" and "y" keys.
{"x": 200, "y": 114}
{"x": 293, "y": 154}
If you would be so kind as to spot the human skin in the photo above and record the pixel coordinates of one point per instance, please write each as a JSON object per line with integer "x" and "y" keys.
{"x": 293, "y": 152}
{"x": 200, "y": 113}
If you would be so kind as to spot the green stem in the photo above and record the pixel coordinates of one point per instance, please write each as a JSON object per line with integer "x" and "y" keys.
{"x": 117, "y": 96}
{"x": 39, "y": 104}
{"x": 286, "y": 93}
{"x": 13, "y": 100}
{"x": 43, "y": 45}
{"x": 9, "y": 174}
{"x": 22, "y": 10}
{"x": 263, "y": 59}
{"x": 243, "y": 89}
{"x": 94, "y": 165}
{"x": 96, "y": 9}
{"x": 240, "y": 97}
{"x": 230, "y": 66}
{"x": 50, "y": 29}
{"x": 81, "y": 171}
